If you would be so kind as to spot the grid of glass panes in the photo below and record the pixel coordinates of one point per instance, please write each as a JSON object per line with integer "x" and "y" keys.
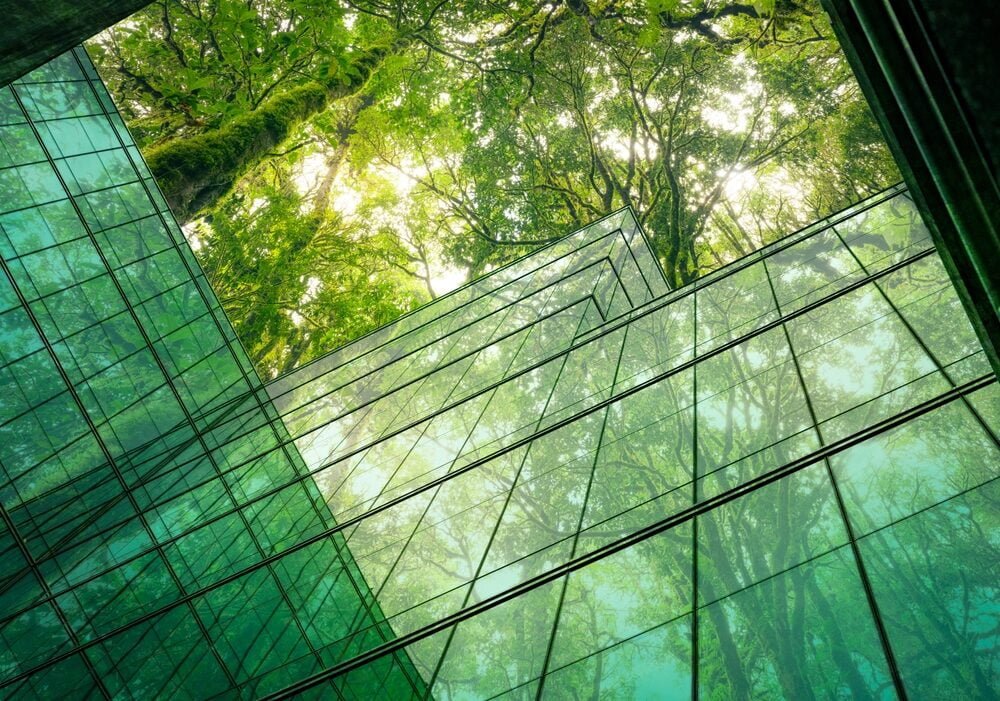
{"x": 710, "y": 495}
{"x": 770, "y": 483}
{"x": 116, "y": 364}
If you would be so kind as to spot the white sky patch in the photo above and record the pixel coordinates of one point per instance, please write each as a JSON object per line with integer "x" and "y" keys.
{"x": 313, "y": 285}
{"x": 191, "y": 234}
{"x": 257, "y": 204}
{"x": 401, "y": 178}
{"x": 347, "y": 201}
{"x": 723, "y": 120}
{"x": 618, "y": 144}
{"x": 445, "y": 279}
{"x": 738, "y": 183}
{"x": 308, "y": 171}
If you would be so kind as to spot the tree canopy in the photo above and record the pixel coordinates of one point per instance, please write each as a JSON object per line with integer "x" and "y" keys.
{"x": 338, "y": 163}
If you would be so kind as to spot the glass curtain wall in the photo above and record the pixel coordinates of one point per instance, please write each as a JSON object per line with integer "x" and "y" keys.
{"x": 563, "y": 480}
{"x": 116, "y": 363}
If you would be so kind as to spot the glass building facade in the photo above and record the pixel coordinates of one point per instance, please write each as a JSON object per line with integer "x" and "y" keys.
{"x": 563, "y": 480}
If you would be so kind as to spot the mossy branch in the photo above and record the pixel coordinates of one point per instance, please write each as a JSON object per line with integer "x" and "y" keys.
{"x": 195, "y": 172}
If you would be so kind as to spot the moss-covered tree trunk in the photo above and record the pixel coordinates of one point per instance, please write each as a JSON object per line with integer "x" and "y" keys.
{"x": 195, "y": 172}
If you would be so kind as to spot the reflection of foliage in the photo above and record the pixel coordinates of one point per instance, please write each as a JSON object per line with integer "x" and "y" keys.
{"x": 782, "y": 607}
{"x": 476, "y": 131}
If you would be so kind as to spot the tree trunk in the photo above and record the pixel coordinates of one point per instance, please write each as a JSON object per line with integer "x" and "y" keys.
{"x": 345, "y": 129}
{"x": 194, "y": 173}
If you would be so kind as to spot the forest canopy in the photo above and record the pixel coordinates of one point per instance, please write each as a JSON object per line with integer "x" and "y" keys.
{"x": 338, "y": 162}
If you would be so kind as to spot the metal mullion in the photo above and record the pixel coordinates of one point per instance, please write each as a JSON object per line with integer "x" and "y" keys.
{"x": 835, "y": 548}
{"x": 421, "y": 378}
{"x": 695, "y": 453}
{"x": 876, "y": 614}
{"x": 370, "y": 403}
{"x": 594, "y": 290}
{"x": 548, "y": 429}
{"x": 108, "y": 273}
{"x": 579, "y": 525}
{"x": 638, "y": 267}
{"x": 378, "y": 619}
{"x": 379, "y": 439}
{"x": 641, "y": 534}
{"x": 43, "y": 297}
{"x": 719, "y": 469}
{"x": 76, "y": 478}
{"x": 736, "y": 266}
{"x": 943, "y": 369}
{"x": 67, "y": 540}
{"x": 21, "y": 81}
{"x": 618, "y": 275}
{"x": 528, "y": 274}
{"x": 87, "y": 378}
{"x": 539, "y": 314}
{"x": 71, "y": 196}
{"x": 44, "y": 520}
{"x": 129, "y": 455}
{"x": 534, "y": 326}
{"x": 128, "y": 310}
{"x": 649, "y": 249}
{"x": 614, "y": 291}
{"x": 15, "y": 166}
{"x": 428, "y": 373}
{"x": 170, "y": 381}
{"x": 286, "y": 412}
{"x": 112, "y": 601}
{"x": 430, "y": 501}
{"x": 37, "y": 205}
{"x": 663, "y": 525}
{"x": 503, "y": 510}
{"x": 505, "y": 308}
{"x": 512, "y": 362}
{"x": 252, "y": 382}
{"x": 48, "y": 120}
{"x": 56, "y": 159}
{"x": 11, "y": 616}
{"x": 140, "y": 515}
{"x": 802, "y": 234}
{"x": 372, "y": 406}
{"x": 20, "y": 256}
{"x": 450, "y": 311}
{"x": 456, "y": 386}
{"x": 60, "y": 615}
{"x": 683, "y": 366}
{"x": 591, "y": 302}
{"x": 51, "y": 246}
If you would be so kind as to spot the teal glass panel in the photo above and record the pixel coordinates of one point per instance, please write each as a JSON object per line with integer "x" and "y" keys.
{"x": 807, "y": 633}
